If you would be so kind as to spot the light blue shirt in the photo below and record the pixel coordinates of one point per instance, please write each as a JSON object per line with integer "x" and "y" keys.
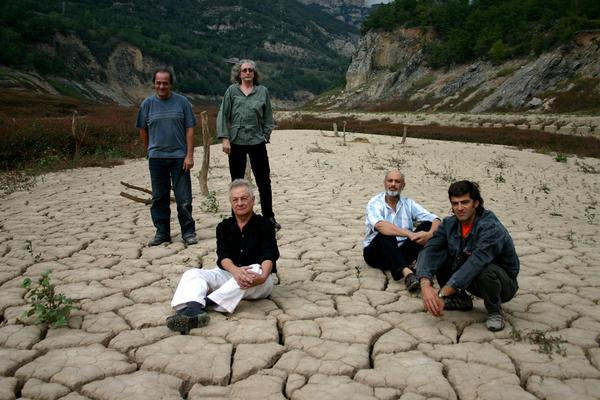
{"x": 407, "y": 212}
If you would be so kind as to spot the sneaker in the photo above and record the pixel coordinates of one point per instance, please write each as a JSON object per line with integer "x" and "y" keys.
{"x": 190, "y": 240}
{"x": 411, "y": 282}
{"x": 495, "y": 322}
{"x": 158, "y": 240}
{"x": 183, "y": 323}
{"x": 275, "y": 223}
{"x": 459, "y": 301}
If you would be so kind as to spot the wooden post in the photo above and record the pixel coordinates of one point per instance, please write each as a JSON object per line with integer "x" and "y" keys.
{"x": 344, "y": 132}
{"x": 335, "y": 132}
{"x": 403, "y": 136}
{"x": 203, "y": 174}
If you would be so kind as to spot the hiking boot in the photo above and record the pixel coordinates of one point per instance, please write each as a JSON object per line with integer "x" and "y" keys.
{"x": 183, "y": 323}
{"x": 157, "y": 240}
{"x": 411, "y": 282}
{"x": 190, "y": 240}
{"x": 495, "y": 322}
{"x": 459, "y": 301}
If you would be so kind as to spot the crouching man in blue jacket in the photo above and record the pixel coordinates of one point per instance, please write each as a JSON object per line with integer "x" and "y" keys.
{"x": 471, "y": 252}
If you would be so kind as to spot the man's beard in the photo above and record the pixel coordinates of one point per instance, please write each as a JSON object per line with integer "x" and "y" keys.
{"x": 395, "y": 193}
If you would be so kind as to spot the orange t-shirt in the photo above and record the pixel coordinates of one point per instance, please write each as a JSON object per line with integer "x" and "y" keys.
{"x": 465, "y": 229}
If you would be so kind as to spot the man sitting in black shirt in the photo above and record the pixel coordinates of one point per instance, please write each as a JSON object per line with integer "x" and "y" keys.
{"x": 246, "y": 251}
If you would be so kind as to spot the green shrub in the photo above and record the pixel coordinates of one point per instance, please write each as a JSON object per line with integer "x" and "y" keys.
{"x": 49, "y": 307}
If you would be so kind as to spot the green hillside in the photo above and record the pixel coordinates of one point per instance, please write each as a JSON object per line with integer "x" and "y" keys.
{"x": 492, "y": 29}
{"x": 195, "y": 36}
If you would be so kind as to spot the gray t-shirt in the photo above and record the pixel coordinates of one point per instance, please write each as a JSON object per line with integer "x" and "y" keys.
{"x": 166, "y": 121}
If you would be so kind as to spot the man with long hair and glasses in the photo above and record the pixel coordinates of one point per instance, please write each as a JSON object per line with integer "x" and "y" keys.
{"x": 470, "y": 252}
{"x": 244, "y": 124}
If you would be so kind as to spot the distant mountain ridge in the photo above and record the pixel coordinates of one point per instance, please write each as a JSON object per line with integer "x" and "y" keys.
{"x": 107, "y": 49}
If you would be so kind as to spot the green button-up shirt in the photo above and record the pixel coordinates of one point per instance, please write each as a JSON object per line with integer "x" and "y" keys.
{"x": 245, "y": 120}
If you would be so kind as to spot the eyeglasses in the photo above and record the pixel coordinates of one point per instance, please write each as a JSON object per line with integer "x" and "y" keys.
{"x": 247, "y": 70}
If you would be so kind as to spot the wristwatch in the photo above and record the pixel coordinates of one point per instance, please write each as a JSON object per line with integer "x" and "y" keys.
{"x": 441, "y": 295}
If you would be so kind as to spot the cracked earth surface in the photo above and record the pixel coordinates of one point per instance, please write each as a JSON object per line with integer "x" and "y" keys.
{"x": 333, "y": 328}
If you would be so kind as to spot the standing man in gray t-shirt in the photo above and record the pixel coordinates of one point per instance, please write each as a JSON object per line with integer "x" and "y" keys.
{"x": 166, "y": 125}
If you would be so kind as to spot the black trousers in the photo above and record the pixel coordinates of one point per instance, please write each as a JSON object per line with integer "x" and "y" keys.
{"x": 259, "y": 162}
{"x": 383, "y": 252}
{"x": 493, "y": 285}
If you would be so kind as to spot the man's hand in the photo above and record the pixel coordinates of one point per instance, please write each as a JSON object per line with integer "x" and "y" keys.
{"x": 188, "y": 163}
{"x": 244, "y": 277}
{"x": 431, "y": 301}
{"x": 226, "y": 146}
{"x": 421, "y": 237}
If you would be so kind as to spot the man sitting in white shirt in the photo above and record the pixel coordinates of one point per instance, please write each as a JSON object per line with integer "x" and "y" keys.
{"x": 391, "y": 242}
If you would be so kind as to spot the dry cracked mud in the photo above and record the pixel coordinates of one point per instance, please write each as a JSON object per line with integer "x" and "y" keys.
{"x": 333, "y": 328}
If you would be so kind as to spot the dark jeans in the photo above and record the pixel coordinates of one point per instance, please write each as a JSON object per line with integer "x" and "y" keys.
{"x": 383, "y": 252}
{"x": 163, "y": 172}
{"x": 259, "y": 162}
{"x": 493, "y": 285}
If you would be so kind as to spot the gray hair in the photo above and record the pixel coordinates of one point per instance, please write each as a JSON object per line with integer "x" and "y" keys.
{"x": 237, "y": 69}
{"x": 241, "y": 183}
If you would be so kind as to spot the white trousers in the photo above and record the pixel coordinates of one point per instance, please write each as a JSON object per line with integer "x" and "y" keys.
{"x": 196, "y": 284}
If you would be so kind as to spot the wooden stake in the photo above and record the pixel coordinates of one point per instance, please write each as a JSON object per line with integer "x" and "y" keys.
{"x": 203, "y": 173}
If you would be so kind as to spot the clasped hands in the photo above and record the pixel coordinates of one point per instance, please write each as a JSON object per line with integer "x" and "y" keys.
{"x": 246, "y": 278}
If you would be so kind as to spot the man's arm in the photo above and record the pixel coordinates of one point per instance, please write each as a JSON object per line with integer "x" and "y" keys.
{"x": 144, "y": 137}
{"x": 188, "y": 162}
{"x": 423, "y": 237}
{"x": 389, "y": 229}
{"x": 268, "y": 123}
{"x": 430, "y": 260}
{"x": 224, "y": 121}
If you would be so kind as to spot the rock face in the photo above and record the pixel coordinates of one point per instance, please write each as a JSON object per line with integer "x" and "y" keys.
{"x": 389, "y": 72}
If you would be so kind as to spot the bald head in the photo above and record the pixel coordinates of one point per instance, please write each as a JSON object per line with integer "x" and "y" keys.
{"x": 393, "y": 183}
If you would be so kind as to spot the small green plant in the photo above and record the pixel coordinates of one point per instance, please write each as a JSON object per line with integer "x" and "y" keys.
{"x": 357, "y": 268}
{"x": 499, "y": 178}
{"x": 447, "y": 175}
{"x": 546, "y": 345}
{"x": 48, "y": 306}
{"x": 560, "y": 158}
{"x": 210, "y": 204}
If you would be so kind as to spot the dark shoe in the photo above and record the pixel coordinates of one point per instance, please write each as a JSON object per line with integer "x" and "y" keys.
{"x": 411, "y": 282}
{"x": 158, "y": 240}
{"x": 190, "y": 240}
{"x": 183, "y": 323}
{"x": 495, "y": 322}
{"x": 275, "y": 223}
{"x": 459, "y": 301}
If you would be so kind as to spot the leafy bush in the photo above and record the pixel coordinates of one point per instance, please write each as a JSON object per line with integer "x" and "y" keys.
{"x": 48, "y": 306}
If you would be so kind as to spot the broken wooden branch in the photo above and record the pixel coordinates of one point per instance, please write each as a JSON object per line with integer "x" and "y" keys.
{"x": 135, "y": 198}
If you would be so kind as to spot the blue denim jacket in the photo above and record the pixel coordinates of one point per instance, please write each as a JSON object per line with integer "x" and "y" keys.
{"x": 488, "y": 242}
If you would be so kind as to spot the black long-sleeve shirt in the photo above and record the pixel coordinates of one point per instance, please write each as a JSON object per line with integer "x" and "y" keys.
{"x": 252, "y": 245}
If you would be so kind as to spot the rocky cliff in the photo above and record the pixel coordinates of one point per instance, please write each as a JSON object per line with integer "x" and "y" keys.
{"x": 125, "y": 79}
{"x": 388, "y": 72}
